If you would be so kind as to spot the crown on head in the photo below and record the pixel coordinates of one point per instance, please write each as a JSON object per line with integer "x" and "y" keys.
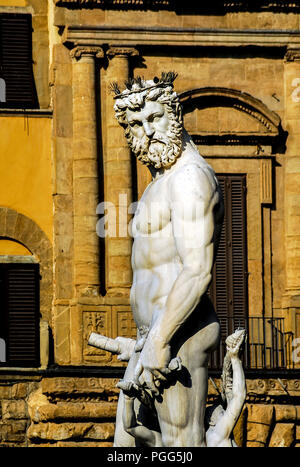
{"x": 134, "y": 85}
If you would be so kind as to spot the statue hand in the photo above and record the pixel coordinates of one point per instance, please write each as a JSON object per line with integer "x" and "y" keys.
{"x": 234, "y": 342}
{"x": 126, "y": 347}
{"x": 152, "y": 366}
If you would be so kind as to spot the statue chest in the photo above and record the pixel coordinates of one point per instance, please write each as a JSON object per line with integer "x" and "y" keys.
{"x": 153, "y": 214}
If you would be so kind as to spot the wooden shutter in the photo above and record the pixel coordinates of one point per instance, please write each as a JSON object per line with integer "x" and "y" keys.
{"x": 20, "y": 304}
{"x": 228, "y": 289}
{"x": 16, "y": 60}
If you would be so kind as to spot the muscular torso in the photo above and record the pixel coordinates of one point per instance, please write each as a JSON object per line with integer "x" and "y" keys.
{"x": 155, "y": 260}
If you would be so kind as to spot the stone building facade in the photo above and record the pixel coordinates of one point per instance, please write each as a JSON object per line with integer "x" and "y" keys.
{"x": 238, "y": 66}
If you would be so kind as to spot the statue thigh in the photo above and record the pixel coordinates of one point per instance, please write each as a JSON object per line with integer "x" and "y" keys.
{"x": 182, "y": 408}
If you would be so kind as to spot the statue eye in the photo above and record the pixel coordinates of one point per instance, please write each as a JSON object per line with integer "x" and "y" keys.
{"x": 135, "y": 123}
{"x": 155, "y": 117}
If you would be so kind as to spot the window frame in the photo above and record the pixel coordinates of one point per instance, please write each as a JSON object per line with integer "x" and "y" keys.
{"x": 8, "y": 318}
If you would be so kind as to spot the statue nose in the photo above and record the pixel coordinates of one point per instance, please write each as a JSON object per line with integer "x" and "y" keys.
{"x": 149, "y": 130}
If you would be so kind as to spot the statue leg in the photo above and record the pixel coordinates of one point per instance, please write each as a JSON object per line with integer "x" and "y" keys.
{"x": 182, "y": 408}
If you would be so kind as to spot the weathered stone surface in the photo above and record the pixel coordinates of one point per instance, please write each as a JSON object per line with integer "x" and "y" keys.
{"x": 15, "y": 409}
{"x": 62, "y": 386}
{"x": 37, "y": 400}
{"x": 19, "y": 391}
{"x": 13, "y": 432}
{"x": 283, "y": 435}
{"x": 68, "y": 431}
{"x": 76, "y": 410}
{"x": 258, "y": 425}
{"x": 285, "y": 413}
{"x": 40, "y": 409}
{"x": 240, "y": 428}
{"x": 5, "y": 392}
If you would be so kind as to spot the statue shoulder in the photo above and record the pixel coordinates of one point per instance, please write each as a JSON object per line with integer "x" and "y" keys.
{"x": 194, "y": 178}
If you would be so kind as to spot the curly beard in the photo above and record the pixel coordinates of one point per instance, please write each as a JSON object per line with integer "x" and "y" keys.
{"x": 160, "y": 151}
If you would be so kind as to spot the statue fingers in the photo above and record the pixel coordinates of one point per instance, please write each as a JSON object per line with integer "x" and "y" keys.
{"x": 137, "y": 372}
{"x": 159, "y": 376}
{"x": 149, "y": 382}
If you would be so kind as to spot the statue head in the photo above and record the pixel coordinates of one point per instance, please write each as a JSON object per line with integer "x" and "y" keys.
{"x": 213, "y": 414}
{"x": 151, "y": 115}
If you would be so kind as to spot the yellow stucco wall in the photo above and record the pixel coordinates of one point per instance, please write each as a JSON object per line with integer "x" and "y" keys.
{"x": 13, "y": 2}
{"x": 25, "y": 176}
{"x": 8, "y": 247}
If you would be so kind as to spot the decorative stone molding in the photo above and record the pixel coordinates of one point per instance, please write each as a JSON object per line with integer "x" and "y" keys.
{"x": 80, "y": 51}
{"x": 122, "y": 51}
{"x": 233, "y": 5}
{"x": 119, "y": 3}
{"x": 267, "y": 135}
{"x": 266, "y": 181}
{"x": 16, "y": 226}
{"x": 237, "y": 99}
{"x": 135, "y": 36}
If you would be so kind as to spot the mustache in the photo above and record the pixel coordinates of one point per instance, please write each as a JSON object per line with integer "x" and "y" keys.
{"x": 157, "y": 138}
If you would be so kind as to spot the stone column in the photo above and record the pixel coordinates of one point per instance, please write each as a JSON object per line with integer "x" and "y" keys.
{"x": 291, "y": 300}
{"x": 118, "y": 179}
{"x": 85, "y": 170}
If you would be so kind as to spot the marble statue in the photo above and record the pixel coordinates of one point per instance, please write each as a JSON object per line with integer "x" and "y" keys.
{"x": 176, "y": 229}
{"x": 220, "y": 418}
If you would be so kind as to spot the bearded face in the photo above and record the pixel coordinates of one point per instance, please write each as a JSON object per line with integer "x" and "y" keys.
{"x": 154, "y": 134}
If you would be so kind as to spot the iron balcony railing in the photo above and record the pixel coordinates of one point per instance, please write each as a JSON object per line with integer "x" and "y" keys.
{"x": 267, "y": 347}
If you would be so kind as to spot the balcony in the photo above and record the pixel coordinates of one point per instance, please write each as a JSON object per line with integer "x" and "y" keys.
{"x": 268, "y": 345}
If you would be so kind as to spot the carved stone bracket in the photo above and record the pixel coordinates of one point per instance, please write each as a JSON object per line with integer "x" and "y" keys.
{"x": 83, "y": 50}
{"x": 292, "y": 55}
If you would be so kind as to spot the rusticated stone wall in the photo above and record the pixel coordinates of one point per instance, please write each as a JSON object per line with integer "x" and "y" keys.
{"x": 67, "y": 411}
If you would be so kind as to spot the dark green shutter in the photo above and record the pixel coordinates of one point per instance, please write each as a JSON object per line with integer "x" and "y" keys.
{"x": 16, "y": 61}
{"x": 228, "y": 289}
{"x": 20, "y": 306}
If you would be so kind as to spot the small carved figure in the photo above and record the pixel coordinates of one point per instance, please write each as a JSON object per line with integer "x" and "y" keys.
{"x": 222, "y": 417}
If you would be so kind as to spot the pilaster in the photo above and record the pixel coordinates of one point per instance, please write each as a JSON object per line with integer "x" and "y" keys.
{"x": 85, "y": 170}
{"x": 292, "y": 186}
{"x": 118, "y": 178}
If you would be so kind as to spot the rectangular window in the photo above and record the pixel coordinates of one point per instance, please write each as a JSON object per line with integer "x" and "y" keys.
{"x": 228, "y": 289}
{"x": 19, "y": 314}
{"x": 17, "y": 88}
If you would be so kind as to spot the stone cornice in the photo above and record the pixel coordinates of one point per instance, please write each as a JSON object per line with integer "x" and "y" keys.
{"x": 179, "y": 37}
{"x": 178, "y": 5}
